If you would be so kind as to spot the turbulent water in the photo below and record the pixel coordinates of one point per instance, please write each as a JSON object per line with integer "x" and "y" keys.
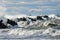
{"x": 33, "y": 30}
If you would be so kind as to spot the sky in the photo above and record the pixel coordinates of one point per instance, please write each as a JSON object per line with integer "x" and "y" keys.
{"x": 30, "y": 7}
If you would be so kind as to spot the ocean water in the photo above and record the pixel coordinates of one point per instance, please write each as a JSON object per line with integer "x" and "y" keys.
{"x": 30, "y": 30}
{"x": 35, "y": 30}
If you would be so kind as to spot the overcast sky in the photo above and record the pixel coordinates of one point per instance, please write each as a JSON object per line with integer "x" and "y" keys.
{"x": 33, "y": 7}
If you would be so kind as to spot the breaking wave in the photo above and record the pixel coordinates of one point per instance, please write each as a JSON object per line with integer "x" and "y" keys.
{"x": 47, "y": 27}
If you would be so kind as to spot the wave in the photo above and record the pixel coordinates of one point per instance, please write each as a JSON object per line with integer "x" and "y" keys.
{"x": 49, "y": 26}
